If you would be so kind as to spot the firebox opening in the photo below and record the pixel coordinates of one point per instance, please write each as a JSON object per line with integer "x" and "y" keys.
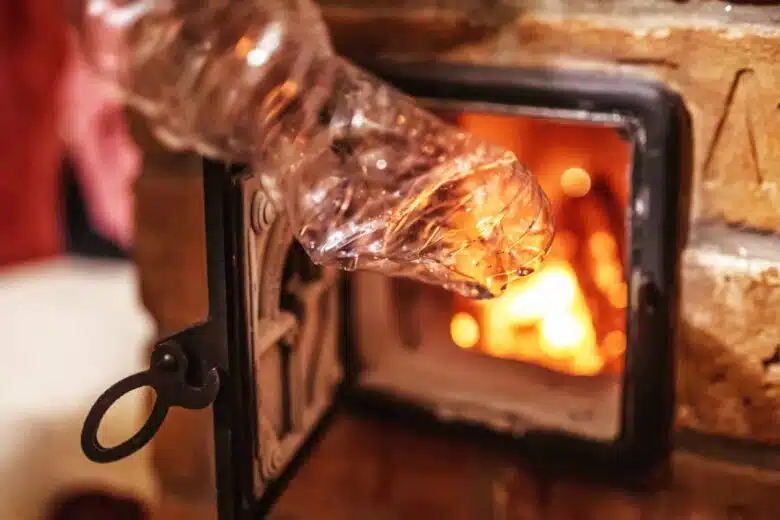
{"x": 549, "y": 353}
{"x": 570, "y": 316}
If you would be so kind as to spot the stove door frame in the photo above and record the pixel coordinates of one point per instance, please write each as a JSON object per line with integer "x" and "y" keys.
{"x": 657, "y": 213}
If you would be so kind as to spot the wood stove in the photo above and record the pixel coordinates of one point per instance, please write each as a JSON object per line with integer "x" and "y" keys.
{"x": 574, "y": 366}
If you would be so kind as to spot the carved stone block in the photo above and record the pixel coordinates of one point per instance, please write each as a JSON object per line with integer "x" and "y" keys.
{"x": 729, "y": 348}
{"x": 727, "y": 76}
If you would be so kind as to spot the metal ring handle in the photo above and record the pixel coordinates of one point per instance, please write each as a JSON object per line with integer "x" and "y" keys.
{"x": 167, "y": 376}
{"x": 90, "y": 444}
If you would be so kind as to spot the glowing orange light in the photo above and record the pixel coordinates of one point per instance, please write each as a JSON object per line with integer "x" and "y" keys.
{"x": 618, "y": 296}
{"x": 497, "y": 129}
{"x": 464, "y": 330}
{"x": 614, "y": 344}
{"x": 587, "y": 363}
{"x": 565, "y": 244}
{"x": 575, "y": 182}
{"x": 544, "y": 319}
{"x": 243, "y": 46}
{"x": 557, "y": 317}
{"x": 551, "y": 290}
{"x": 602, "y": 245}
{"x": 563, "y": 334}
{"x": 607, "y": 275}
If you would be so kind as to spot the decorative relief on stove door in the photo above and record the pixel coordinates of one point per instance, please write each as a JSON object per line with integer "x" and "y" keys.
{"x": 293, "y": 323}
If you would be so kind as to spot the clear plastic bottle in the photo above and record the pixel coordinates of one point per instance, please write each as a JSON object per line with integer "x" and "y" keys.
{"x": 367, "y": 179}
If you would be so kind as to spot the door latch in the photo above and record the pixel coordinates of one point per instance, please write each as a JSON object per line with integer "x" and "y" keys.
{"x": 178, "y": 376}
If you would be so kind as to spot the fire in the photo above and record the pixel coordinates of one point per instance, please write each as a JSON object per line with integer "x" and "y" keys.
{"x": 543, "y": 319}
{"x": 563, "y": 334}
{"x": 575, "y": 182}
{"x": 618, "y": 295}
{"x": 464, "y": 330}
{"x": 569, "y": 315}
{"x": 552, "y": 290}
{"x": 602, "y": 245}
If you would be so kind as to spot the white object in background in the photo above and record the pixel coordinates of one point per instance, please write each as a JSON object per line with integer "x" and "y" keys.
{"x": 69, "y": 328}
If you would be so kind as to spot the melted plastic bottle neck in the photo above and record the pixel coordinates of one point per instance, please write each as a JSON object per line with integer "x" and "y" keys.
{"x": 367, "y": 178}
{"x": 372, "y": 181}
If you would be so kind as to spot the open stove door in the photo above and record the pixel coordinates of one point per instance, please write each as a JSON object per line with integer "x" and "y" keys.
{"x": 284, "y": 340}
{"x": 267, "y": 359}
{"x": 276, "y": 344}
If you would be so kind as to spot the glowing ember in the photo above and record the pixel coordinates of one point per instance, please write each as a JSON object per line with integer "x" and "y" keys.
{"x": 614, "y": 344}
{"x": 563, "y": 334}
{"x": 547, "y": 318}
{"x": 587, "y": 364}
{"x": 553, "y": 289}
{"x": 464, "y": 330}
{"x": 607, "y": 275}
{"x": 602, "y": 245}
{"x": 618, "y": 295}
{"x": 575, "y": 182}
{"x": 544, "y": 319}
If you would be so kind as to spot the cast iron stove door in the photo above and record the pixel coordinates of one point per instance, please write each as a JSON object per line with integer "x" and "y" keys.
{"x": 279, "y": 342}
{"x": 291, "y": 332}
{"x": 267, "y": 358}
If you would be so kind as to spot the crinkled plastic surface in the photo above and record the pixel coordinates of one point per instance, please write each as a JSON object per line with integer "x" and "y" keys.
{"x": 367, "y": 179}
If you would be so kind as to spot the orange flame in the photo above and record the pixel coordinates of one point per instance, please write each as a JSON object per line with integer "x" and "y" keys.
{"x": 543, "y": 319}
{"x": 563, "y": 316}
